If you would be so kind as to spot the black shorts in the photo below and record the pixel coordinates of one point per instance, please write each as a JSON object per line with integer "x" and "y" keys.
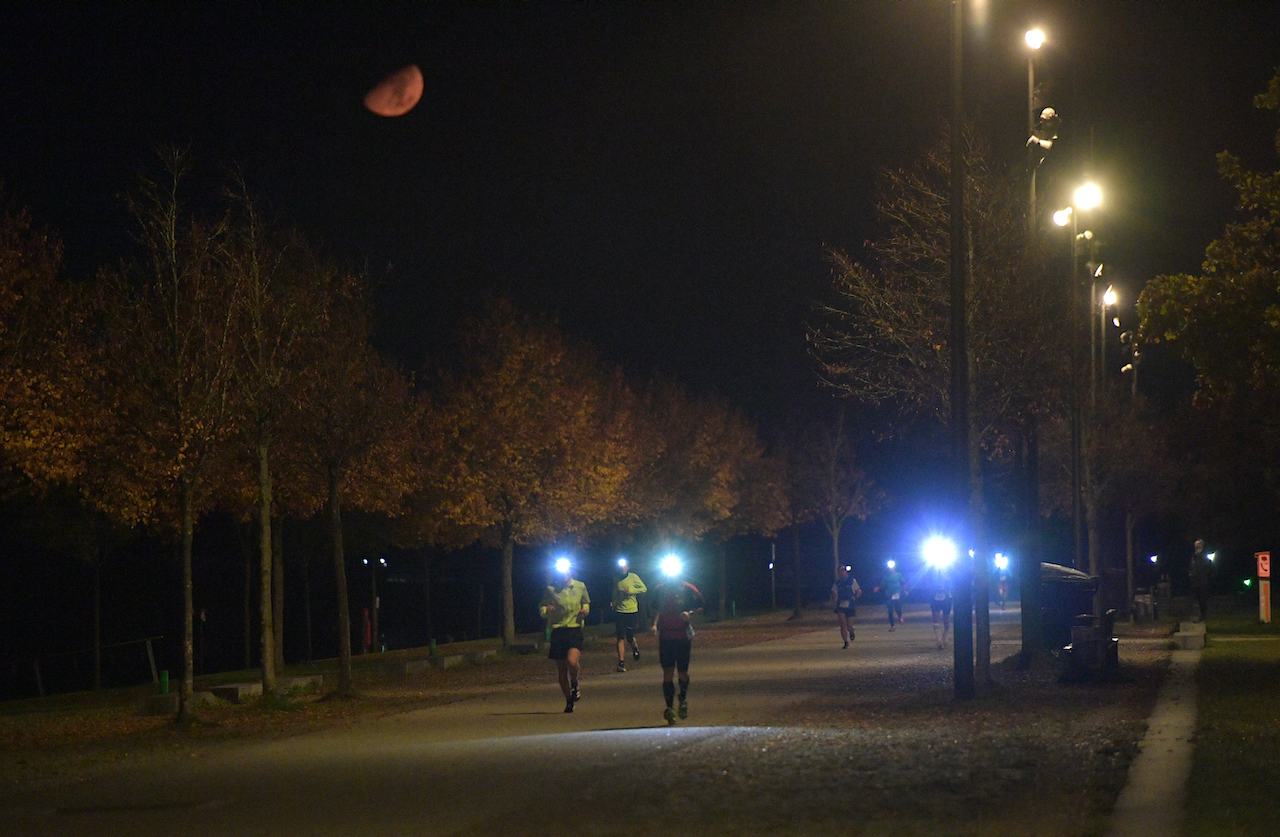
{"x": 943, "y": 607}
{"x": 674, "y": 653}
{"x": 847, "y": 611}
{"x": 562, "y": 639}
{"x": 625, "y": 624}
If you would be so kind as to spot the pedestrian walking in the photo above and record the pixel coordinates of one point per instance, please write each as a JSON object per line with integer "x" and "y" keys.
{"x": 678, "y": 601}
{"x": 1199, "y": 574}
{"x": 844, "y": 595}
{"x": 565, "y": 606}
{"x": 894, "y": 586}
{"x": 626, "y": 611}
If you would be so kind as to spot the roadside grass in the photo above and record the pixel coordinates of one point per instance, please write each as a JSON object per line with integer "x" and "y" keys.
{"x": 1240, "y": 620}
{"x": 1236, "y": 767}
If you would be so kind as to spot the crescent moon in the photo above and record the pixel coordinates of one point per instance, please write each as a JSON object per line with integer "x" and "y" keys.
{"x": 397, "y": 93}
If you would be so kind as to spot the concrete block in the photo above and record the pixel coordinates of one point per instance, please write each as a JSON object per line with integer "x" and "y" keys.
{"x": 159, "y": 704}
{"x": 1191, "y": 628}
{"x": 1189, "y": 642}
{"x": 526, "y": 647}
{"x": 446, "y": 661}
{"x": 237, "y": 692}
{"x": 481, "y": 656}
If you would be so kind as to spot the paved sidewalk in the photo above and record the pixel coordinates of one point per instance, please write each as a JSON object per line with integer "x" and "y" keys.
{"x": 1153, "y": 802}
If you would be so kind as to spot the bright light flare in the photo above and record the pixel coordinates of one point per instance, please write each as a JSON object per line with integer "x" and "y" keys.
{"x": 1153, "y": 559}
{"x": 563, "y": 566}
{"x": 939, "y": 552}
{"x": 622, "y": 562}
{"x": 1248, "y": 582}
{"x": 1109, "y": 298}
{"x": 1062, "y": 217}
{"x": 1035, "y": 38}
{"x": 1088, "y": 196}
{"x": 891, "y": 563}
{"x": 1002, "y": 561}
{"x": 672, "y": 566}
{"x": 1211, "y": 555}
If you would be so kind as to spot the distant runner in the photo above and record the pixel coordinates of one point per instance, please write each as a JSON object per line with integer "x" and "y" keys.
{"x": 678, "y": 601}
{"x": 844, "y": 594}
{"x": 895, "y": 590}
{"x": 626, "y": 611}
{"x": 940, "y": 604}
{"x": 564, "y": 606}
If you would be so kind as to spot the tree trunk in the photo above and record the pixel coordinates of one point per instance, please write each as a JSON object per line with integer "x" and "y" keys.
{"x": 187, "y": 501}
{"x": 97, "y": 620}
{"x": 508, "y": 596}
{"x": 795, "y": 580}
{"x": 1130, "y": 525}
{"x": 346, "y": 686}
{"x": 835, "y": 548}
{"x": 426, "y": 595}
{"x": 277, "y": 592}
{"x": 248, "y": 599}
{"x": 267, "y": 631}
{"x": 1029, "y": 559}
{"x": 722, "y": 560}
{"x": 306, "y": 598}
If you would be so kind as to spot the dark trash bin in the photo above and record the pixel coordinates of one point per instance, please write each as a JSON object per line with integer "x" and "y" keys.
{"x": 1064, "y": 594}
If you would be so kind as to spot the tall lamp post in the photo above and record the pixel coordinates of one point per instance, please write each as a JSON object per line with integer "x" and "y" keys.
{"x": 1109, "y": 299}
{"x": 1035, "y": 40}
{"x": 1087, "y": 197}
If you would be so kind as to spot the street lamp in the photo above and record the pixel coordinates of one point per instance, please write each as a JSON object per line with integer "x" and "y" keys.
{"x": 1108, "y": 300}
{"x": 1087, "y": 197}
{"x": 1035, "y": 39}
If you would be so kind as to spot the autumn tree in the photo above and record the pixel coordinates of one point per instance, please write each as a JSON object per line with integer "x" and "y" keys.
{"x": 167, "y": 320}
{"x": 354, "y": 428}
{"x": 535, "y": 449}
{"x": 882, "y": 336}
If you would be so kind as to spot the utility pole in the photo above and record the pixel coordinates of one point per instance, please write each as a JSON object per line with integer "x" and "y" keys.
{"x": 963, "y": 592}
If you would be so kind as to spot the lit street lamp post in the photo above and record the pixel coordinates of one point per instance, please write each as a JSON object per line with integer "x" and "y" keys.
{"x": 1035, "y": 39}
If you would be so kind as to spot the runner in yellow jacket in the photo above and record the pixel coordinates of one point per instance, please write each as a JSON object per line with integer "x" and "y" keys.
{"x": 565, "y": 606}
{"x": 626, "y": 611}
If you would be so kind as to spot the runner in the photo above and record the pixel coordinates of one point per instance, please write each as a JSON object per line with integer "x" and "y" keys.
{"x": 564, "y": 606}
{"x": 678, "y": 601}
{"x": 844, "y": 594}
{"x": 895, "y": 590}
{"x": 940, "y": 604}
{"x": 626, "y": 611}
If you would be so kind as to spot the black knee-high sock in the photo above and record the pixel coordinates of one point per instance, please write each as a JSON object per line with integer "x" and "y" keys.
{"x": 684, "y": 689}
{"x": 669, "y": 692}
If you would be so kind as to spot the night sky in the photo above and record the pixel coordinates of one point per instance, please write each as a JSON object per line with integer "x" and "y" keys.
{"x": 663, "y": 177}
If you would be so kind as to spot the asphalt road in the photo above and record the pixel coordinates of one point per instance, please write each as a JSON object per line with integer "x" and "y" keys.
{"x": 507, "y": 761}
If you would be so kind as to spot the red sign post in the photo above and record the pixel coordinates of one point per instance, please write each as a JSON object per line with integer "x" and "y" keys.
{"x": 1264, "y": 585}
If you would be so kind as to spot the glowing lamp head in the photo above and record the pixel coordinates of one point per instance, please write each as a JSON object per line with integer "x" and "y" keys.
{"x": 1211, "y": 555}
{"x": 939, "y": 552}
{"x": 622, "y": 563}
{"x": 1002, "y": 561}
{"x": 563, "y": 567}
{"x": 1088, "y": 196}
{"x": 1035, "y": 38}
{"x": 672, "y": 566}
{"x": 891, "y": 564}
{"x": 1153, "y": 559}
{"x": 1109, "y": 298}
{"x": 1062, "y": 217}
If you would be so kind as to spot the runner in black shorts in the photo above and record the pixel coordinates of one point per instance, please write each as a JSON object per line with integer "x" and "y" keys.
{"x": 678, "y": 601}
{"x": 844, "y": 594}
{"x": 940, "y": 604}
{"x": 564, "y": 606}
{"x": 626, "y": 611}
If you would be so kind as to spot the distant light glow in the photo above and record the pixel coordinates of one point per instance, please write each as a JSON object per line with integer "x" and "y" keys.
{"x": 1035, "y": 38}
{"x": 1109, "y": 298}
{"x": 770, "y": 565}
{"x": 1211, "y": 555}
{"x": 563, "y": 565}
{"x": 1062, "y": 217}
{"x": 1248, "y": 582}
{"x": 622, "y": 562}
{"x": 1088, "y": 196}
{"x": 848, "y": 568}
{"x": 1002, "y": 562}
{"x": 891, "y": 563}
{"x": 672, "y": 565}
{"x": 939, "y": 552}
{"x": 1153, "y": 559}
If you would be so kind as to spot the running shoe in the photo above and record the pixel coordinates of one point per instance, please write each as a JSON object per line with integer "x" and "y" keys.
{"x": 635, "y": 652}
{"x": 622, "y": 666}
{"x": 851, "y": 637}
{"x": 891, "y": 628}
{"x": 669, "y": 714}
{"x": 576, "y": 694}
{"x": 684, "y": 709}
{"x": 568, "y": 705}
{"x": 846, "y": 645}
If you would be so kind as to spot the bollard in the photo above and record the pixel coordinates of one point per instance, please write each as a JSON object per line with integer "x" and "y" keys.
{"x": 164, "y": 681}
{"x": 433, "y": 647}
{"x": 733, "y": 610}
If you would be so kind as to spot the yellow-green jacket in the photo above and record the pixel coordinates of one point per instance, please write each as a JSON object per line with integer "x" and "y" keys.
{"x": 571, "y": 605}
{"x": 625, "y": 591}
